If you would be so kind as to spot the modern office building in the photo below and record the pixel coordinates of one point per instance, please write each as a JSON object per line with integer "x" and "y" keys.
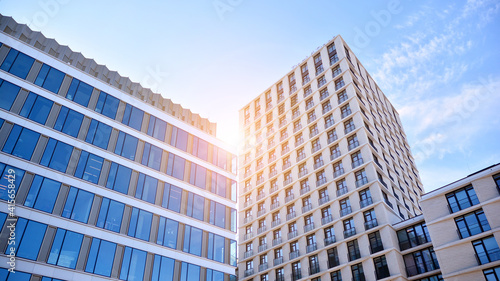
{"x": 325, "y": 171}
{"x": 110, "y": 181}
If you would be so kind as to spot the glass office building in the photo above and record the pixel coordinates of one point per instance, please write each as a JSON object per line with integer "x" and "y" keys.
{"x": 110, "y": 181}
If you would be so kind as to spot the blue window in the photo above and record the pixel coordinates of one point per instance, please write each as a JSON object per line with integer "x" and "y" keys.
{"x": 167, "y": 233}
{"x": 200, "y": 148}
{"x": 3, "y": 217}
{"x": 68, "y": 121}
{"x": 462, "y": 199}
{"x": 119, "y": 178}
{"x": 219, "y": 184}
{"x": 133, "y": 264}
{"x": 65, "y": 248}
{"x": 5, "y": 180}
{"x": 179, "y": 138}
{"x": 17, "y": 63}
{"x": 195, "y": 206}
{"x": 8, "y": 93}
{"x": 56, "y": 160}
{"x": 101, "y": 257}
{"x": 21, "y": 142}
{"x": 133, "y": 117}
{"x": 217, "y": 214}
{"x": 29, "y": 237}
{"x": 49, "y": 78}
{"x": 89, "y": 167}
{"x": 172, "y": 197}
{"x": 151, "y": 156}
{"x": 233, "y": 219}
{"x": 216, "y": 247}
{"x": 98, "y": 134}
{"x": 5, "y": 275}
{"x": 78, "y": 205}
{"x": 140, "y": 224}
{"x": 198, "y": 176}
{"x": 163, "y": 269}
{"x": 232, "y": 252}
{"x": 110, "y": 215}
{"x": 175, "y": 166}
{"x": 107, "y": 105}
{"x": 50, "y": 279}
{"x": 79, "y": 92}
{"x": 486, "y": 250}
{"x": 157, "y": 128}
{"x": 146, "y": 188}
{"x": 190, "y": 272}
{"x": 42, "y": 194}
{"x": 192, "y": 240}
{"x": 214, "y": 275}
{"x": 126, "y": 145}
{"x": 36, "y": 108}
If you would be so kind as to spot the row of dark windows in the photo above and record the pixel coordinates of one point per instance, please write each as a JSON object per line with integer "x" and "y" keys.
{"x": 53, "y": 80}
{"x": 75, "y": 124}
{"x": 93, "y": 255}
{"x": 21, "y": 142}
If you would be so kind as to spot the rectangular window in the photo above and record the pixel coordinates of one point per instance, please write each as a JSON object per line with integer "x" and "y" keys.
{"x": 101, "y": 257}
{"x": 375, "y": 240}
{"x": 157, "y": 128}
{"x": 107, "y": 105}
{"x": 192, "y": 240}
{"x": 420, "y": 262}
{"x": 146, "y": 188}
{"x": 21, "y": 142}
{"x": 381, "y": 268}
{"x": 17, "y": 63}
{"x": 5, "y": 180}
{"x": 198, "y": 176}
{"x": 68, "y": 121}
{"x": 78, "y": 205}
{"x": 472, "y": 224}
{"x": 179, "y": 138}
{"x": 126, "y": 145}
{"x": 462, "y": 199}
{"x": 133, "y": 117}
{"x": 218, "y": 214}
{"x": 56, "y": 160}
{"x": 167, "y": 233}
{"x": 49, "y": 78}
{"x": 42, "y": 194}
{"x": 140, "y": 224}
{"x": 119, "y": 178}
{"x": 36, "y": 108}
{"x": 214, "y": 275}
{"x": 151, "y": 156}
{"x": 200, "y": 148}
{"x": 133, "y": 264}
{"x": 172, "y": 197}
{"x": 110, "y": 215}
{"x": 216, "y": 247}
{"x": 219, "y": 184}
{"x": 190, "y": 272}
{"x": 195, "y": 206}
{"x": 175, "y": 166}
{"x": 353, "y": 250}
{"x": 89, "y": 167}
{"x": 98, "y": 134}
{"x": 8, "y": 93}
{"x": 29, "y": 237}
{"x": 486, "y": 250}
{"x": 65, "y": 248}
{"x": 357, "y": 272}
{"x": 79, "y": 92}
{"x": 163, "y": 269}
{"x": 491, "y": 274}
{"x": 413, "y": 236}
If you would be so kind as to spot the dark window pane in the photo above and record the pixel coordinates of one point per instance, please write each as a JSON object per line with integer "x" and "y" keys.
{"x": 9, "y": 175}
{"x": 101, "y": 257}
{"x": 21, "y": 142}
{"x": 36, "y": 108}
{"x": 78, "y": 205}
{"x": 65, "y": 248}
{"x": 107, "y": 105}
{"x": 133, "y": 117}
{"x": 42, "y": 194}
{"x": 133, "y": 264}
{"x": 126, "y": 145}
{"x": 31, "y": 239}
{"x": 8, "y": 93}
{"x": 98, "y": 134}
{"x": 163, "y": 269}
{"x": 17, "y": 63}
{"x": 49, "y": 78}
{"x": 68, "y": 121}
{"x": 79, "y": 92}
{"x": 110, "y": 215}
{"x": 56, "y": 155}
{"x": 89, "y": 167}
{"x": 140, "y": 224}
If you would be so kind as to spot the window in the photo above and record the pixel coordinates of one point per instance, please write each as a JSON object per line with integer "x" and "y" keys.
{"x": 89, "y": 167}
{"x": 175, "y": 166}
{"x": 313, "y": 265}
{"x": 119, "y": 178}
{"x": 133, "y": 264}
{"x": 192, "y": 240}
{"x": 472, "y": 224}
{"x": 217, "y": 214}
{"x": 216, "y": 247}
{"x": 5, "y": 181}
{"x": 357, "y": 159}
{"x": 8, "y": 93}
{"x": 375, "y": 240}
{"x": 41, "y": 106}
{"x": 68, "y": 121}
{"x": 29, "y": 238}
{"x": 133, "y": 117}
{"x": 195, "y": 206}
{"x": 49, "y": 78}
{"x": 19, "y": 276}
{"x": 336, "y": 275}
{"x": 280, "y": 274}
{"x": 167, "y": 233}
{"x": 365, "y": 198}
{"x": 79, "y": 92}
{"x": 180, "y": 139}
{"x": 101, "y": 257}
{"x": 349, "y": 229}
{"x": 56, "y": 160}
{"x": 157, "y": 128}
{"x": 21, "y": 142}
{"x": 413, "y": 236}
{"x": 107, "y": 105}
{"x": 370, "y": 219}
{"x": 146, "y": 188}
{"x": 78, "y": 205}
{"x": 110, "y": 215}
{"x": 98, "y": 134}
{"x": 420, "y": 262}
{"x": 349, "y": 126}
{"x": 381, "y": 268}
{"x": 126, "y": 145}
{"x": 163, "y": 269}
{"x": 486, "y": 250}
{"x": 357, "y": 272}
{"x": 338, "y": 169}
{"x": 17, "y": 63}
{"x": 140, "y": 224}
{"x": 345, "y": 207}
{"x": 296, "y": 271}
{"x": 65, "y": 248}
{"x": 492, "y": 274}
{"x": 172, "y": 197}
{"x": 333, "y": 257}
{"x": 461, "y": 199}
{"x": 190, "y": 272}
{"x": 42, "y": 194}
{"x": 353, "y": 250}
{"x": 200, "y": 148}
{"x": 345, "y": 111}
{"x": 360, "y": 177}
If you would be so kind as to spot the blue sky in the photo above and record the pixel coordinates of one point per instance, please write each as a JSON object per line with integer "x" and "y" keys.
{"x": 437, "y": 61}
